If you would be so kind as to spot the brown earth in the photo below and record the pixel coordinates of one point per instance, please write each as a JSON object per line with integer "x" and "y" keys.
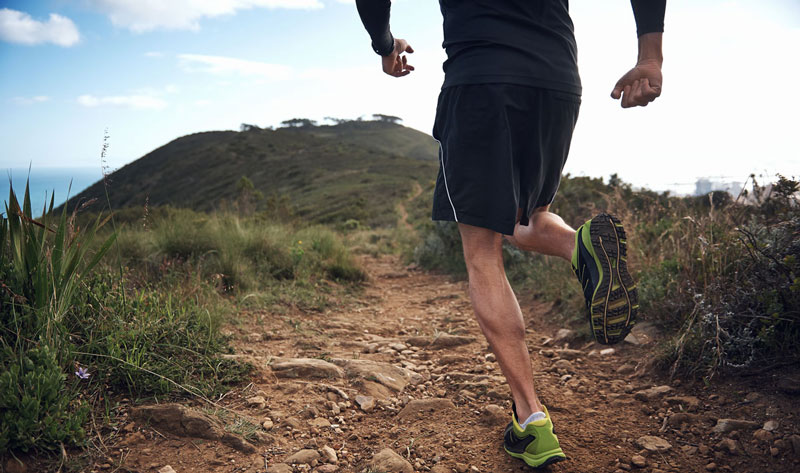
{"x": 420, "y": 329}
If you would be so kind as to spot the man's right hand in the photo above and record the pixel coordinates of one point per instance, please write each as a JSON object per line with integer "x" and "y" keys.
{"x": 396, "y": 64}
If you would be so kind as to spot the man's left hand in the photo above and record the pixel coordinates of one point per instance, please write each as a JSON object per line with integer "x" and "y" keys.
{"x": 640, "y": 86}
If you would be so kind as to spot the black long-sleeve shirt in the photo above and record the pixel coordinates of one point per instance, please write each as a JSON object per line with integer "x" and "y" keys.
{"x": 527, "y": 42}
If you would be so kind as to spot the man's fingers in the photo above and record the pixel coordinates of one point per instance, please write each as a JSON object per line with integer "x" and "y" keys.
{"x": 409, "y": 49}
{"x": 650, "y": 93}
{"x": 626, "y": 96}
{"x": 617, "y": 92}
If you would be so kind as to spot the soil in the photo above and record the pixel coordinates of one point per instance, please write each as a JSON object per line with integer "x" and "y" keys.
{"x": 594, "y": 399}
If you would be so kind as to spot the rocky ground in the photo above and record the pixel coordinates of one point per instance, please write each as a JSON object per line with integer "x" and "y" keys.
{"x": 403, "y": 381}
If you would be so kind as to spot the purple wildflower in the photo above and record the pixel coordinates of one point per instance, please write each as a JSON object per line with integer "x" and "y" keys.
{"x": 82, "y": 373}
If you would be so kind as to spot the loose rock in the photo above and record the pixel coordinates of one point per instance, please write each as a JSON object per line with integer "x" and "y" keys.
{"x": 653, "y": 393}
{"x": 306, "y": 368}
{"x": 280, "y": 468}
{"x": 365, "y": 403}
{"x": 770, "y": 425}
{"x": 638, "y": 461}
{"x": 653, "y": 444}
{"x": 390, "y": 462}
{"x": 494, "y": 415}
{"x": 421, "y": 407}
{"x": 329, "y": 454}
{"x": 727, "y": 425}
{"x": 305, "y": 455}
{"x": 166, "y": 469}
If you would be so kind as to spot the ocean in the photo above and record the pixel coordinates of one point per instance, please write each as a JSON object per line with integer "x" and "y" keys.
{"x": 45, "y": 182}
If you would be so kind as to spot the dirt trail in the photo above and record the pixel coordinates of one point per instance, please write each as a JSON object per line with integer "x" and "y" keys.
{"x": 401, "y": 207}
{"x": 411, "y": 336}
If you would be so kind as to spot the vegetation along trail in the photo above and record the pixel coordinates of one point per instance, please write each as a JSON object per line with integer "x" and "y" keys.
{"x": 402, "y": 380}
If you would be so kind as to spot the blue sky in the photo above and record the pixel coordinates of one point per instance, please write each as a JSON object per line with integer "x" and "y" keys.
{"x": 151, "y": 71}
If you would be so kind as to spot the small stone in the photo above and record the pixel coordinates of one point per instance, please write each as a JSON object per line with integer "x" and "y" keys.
{"x": 420, "y": 408}
{"x": 794, "y": 440}
{"x": 633, "y": 339}
{"x": 653, "y": 393}
{"x": 653, "y": 444}
{"x": 474, "y": 469}
{"x": 327, "y": 468}
{"x": 774, "y": 451}
{"x": 728, "y": 445}
{"x": 563, "y": 365}
{"x": 306, "y": 456}
{"x": 280, "y": 468}
{"x": 494, "y": 415}
{"x": 267, "y": 424}
{"x": 691, "y": 403}
{"x": 638, "y": 461}
{"x": 256, "y": 401}
{"x": 462, "y": 468}
{"x": 388, "y": 461}
{"x": 166, "y": 469}
{"x": 490, "y": 357}
{"x": 569, "y": 353}
{"x": 565, "y": 335}
{"x": 607, "y": 352}
{"x": 762, "y": 435}
{"x": 365, "y": 403}
{"x": 547, "y": 352}
{"x": 627, "y": 368}
{"x": 319, "y": 422}
{"x": 689, "y": 450}
{"x": 770, "y": 425}
{"x": 727, "y": 425}
{"x": 711, "y": 466}
{"x": 329, "y": 455}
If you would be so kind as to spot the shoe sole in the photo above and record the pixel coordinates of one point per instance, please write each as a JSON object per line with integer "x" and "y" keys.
{"x": 541, "y": 460}
{"x": 615, "y": 302}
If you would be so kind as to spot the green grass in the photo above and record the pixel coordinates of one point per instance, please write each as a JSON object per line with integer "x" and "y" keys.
{"x": 152, "y": 333}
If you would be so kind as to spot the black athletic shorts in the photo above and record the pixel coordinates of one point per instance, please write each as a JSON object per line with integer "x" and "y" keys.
{"x": 501, "y": 148}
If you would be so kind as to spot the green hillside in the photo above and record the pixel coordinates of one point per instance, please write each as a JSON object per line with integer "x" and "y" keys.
{"x": 354, "y": 170}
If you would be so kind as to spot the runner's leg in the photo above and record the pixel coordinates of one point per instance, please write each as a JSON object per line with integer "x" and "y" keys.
{"x": 546, "y": 233}
{"x": 498, "y": 313}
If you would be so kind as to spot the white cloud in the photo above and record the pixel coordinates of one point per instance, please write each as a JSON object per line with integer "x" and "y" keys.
{"x": 20, "y": 27}
{"x": 147, "y": 15}
{"x": 221, "y": 65}
{"x": 31, "y": 100}
{"x": 154, "y": 54}
{"x": 136, "y": 102}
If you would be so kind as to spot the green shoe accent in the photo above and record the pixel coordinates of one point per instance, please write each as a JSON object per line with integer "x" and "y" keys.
{"x": 536, "y": 445}
{"x": 600, "y": 264}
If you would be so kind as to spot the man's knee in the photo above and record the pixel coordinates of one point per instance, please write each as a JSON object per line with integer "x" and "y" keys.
{"x": 482, "y": 249}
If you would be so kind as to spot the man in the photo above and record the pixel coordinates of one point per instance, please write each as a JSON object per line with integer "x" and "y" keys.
{"x": 504, "y": 122}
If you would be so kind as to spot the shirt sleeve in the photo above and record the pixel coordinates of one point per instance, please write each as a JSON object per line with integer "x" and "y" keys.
{"x": 649, "y": 15}
{"x": 375, "y": 16}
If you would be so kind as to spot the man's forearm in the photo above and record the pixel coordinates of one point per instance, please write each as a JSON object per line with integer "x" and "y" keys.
{"x": 375, "y": 17}
{"x": 650, "y": 48}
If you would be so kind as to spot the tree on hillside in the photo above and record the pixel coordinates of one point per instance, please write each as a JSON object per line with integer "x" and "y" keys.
{"x": 337, "y": 121}
{"x": 248, "y": 127}
{"x": 387, "y": 118}
{"x": 299, "y": 122}
{"x": 247, "y": 196}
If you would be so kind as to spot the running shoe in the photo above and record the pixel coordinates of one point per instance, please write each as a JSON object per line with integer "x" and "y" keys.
{"x": 599, "y": 261}
{"x": 536, "y": 444}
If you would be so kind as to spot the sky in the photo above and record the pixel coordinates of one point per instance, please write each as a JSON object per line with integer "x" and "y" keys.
{"x": 149, "y": 71}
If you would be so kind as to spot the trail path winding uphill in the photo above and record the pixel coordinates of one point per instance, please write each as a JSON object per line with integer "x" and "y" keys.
{"x": 407, "y": 369}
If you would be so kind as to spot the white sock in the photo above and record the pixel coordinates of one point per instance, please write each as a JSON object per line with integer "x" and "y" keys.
{"x": 532, "y": 418}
